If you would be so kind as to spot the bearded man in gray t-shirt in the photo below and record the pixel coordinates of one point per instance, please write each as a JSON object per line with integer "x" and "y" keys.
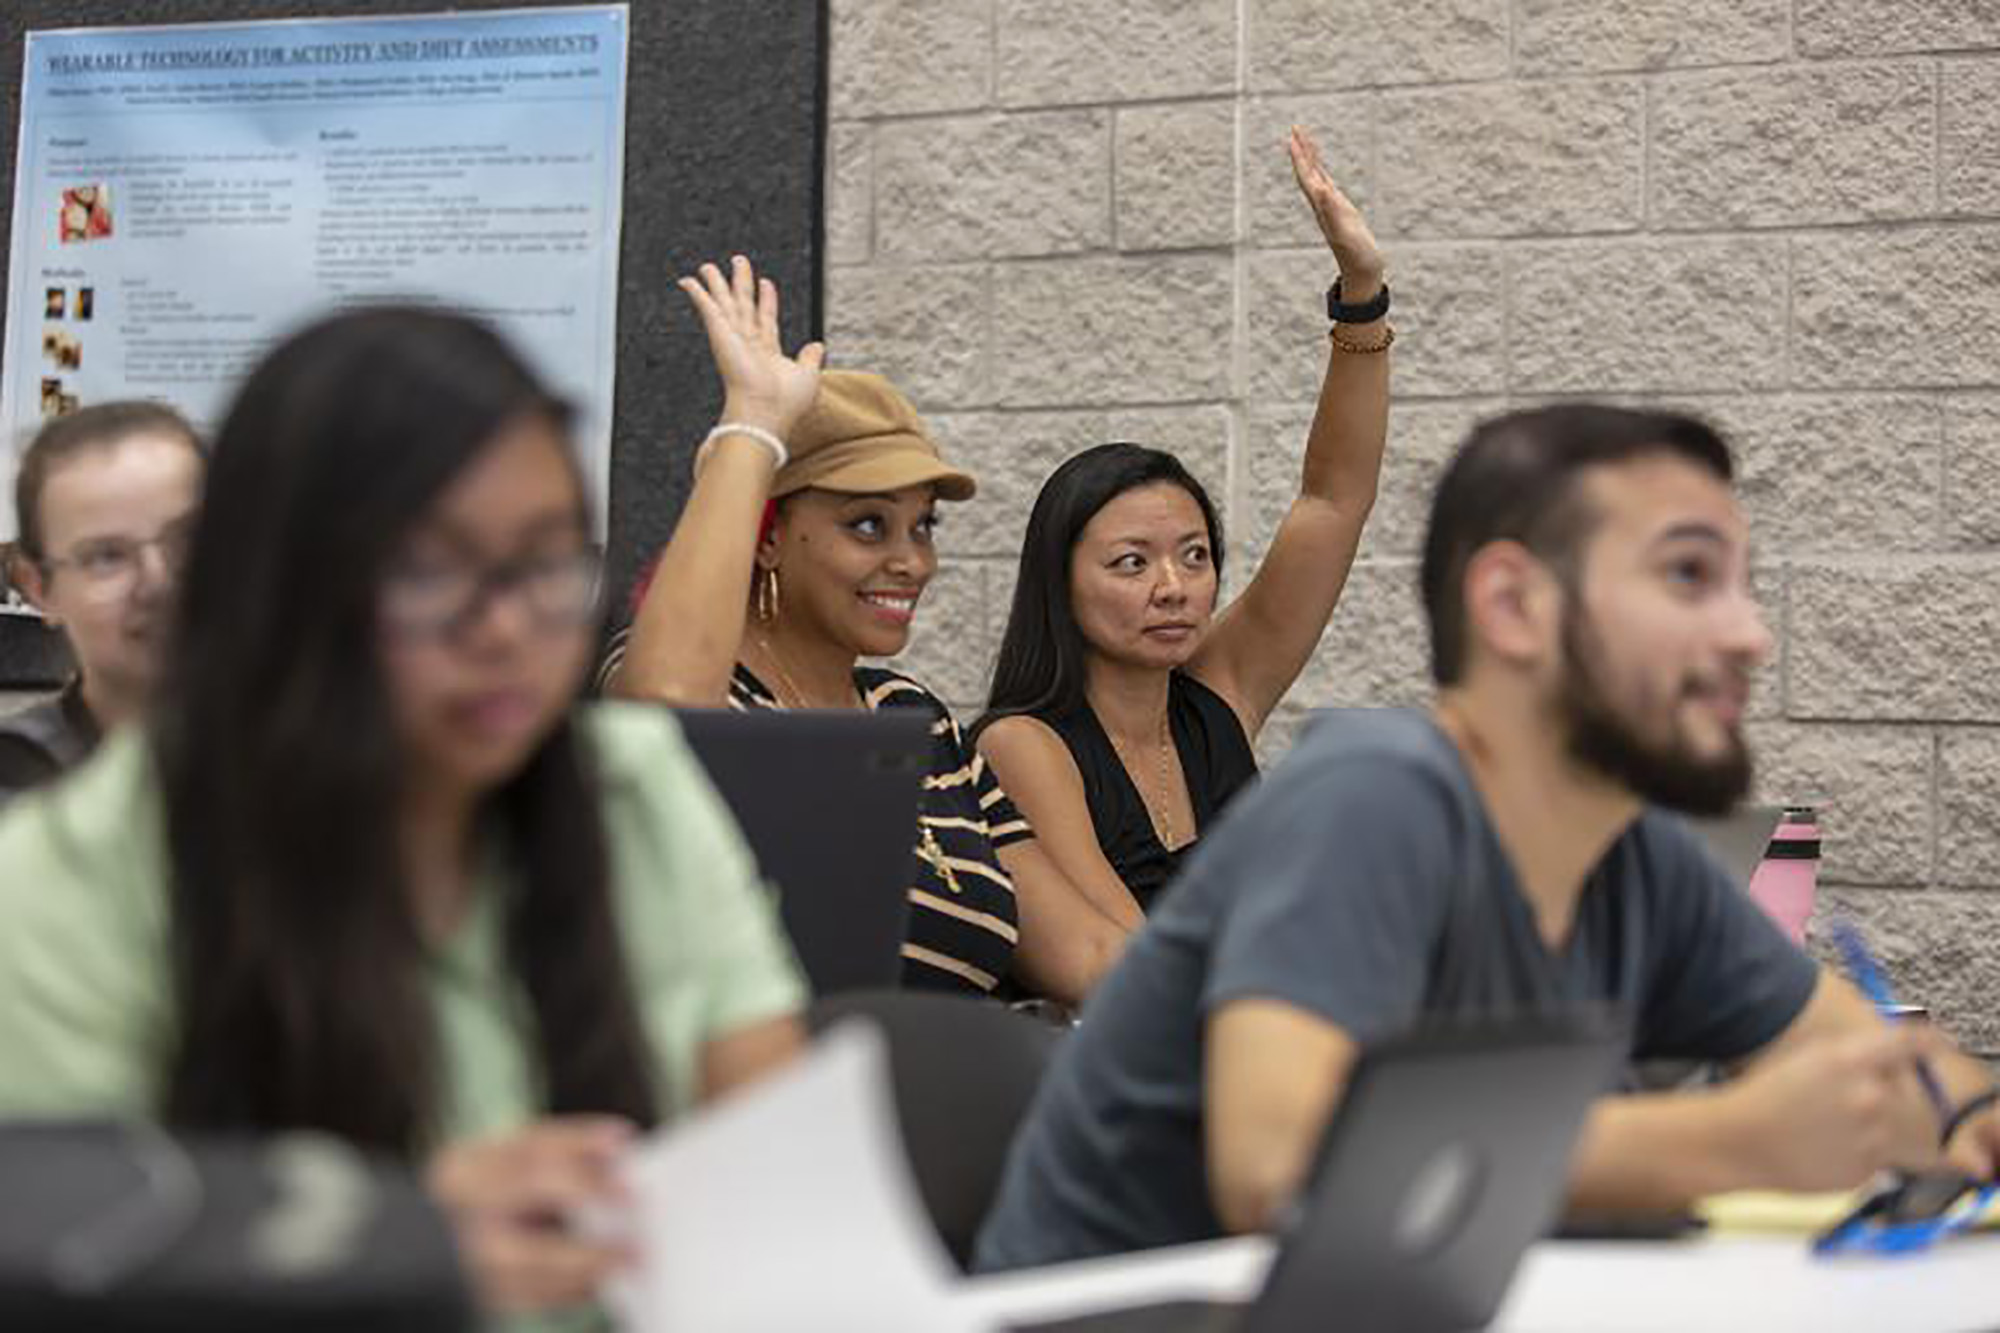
{"x": 1593, "y": 636}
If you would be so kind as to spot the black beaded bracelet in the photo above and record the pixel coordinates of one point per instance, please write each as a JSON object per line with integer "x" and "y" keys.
{"x": 1972, "y": 1107}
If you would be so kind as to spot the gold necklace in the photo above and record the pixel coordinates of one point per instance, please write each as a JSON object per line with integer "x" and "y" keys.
{"x": 1163, "y": 817}
{"x": 784, "y": 677}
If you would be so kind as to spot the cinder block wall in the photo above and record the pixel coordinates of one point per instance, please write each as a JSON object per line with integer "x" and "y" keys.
{"x": 1056, "y": 223}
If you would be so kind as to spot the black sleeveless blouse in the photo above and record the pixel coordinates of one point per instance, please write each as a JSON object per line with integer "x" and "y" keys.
{"x": 1215, "y": 756}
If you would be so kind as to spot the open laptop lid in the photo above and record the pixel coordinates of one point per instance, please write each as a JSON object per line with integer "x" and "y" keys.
{"x": 827, "y": 800}
{"x": 1739, "y": 838}
{"x": 1448, "y": 1157}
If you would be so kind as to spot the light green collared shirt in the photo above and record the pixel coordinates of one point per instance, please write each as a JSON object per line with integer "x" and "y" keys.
{"x": 86, "y": 998}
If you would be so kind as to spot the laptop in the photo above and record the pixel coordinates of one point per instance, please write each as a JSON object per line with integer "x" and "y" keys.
{"x": 1448, "y": 1157}
{"x": 827, "y": 800}
{"x": 1738, "y": 839}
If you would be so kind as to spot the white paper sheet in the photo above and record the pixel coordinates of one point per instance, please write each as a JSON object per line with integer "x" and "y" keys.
{"x": 790, "y": 1207}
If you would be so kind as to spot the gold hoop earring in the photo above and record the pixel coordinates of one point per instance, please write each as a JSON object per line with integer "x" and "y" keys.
{"x": 767, "y": 595}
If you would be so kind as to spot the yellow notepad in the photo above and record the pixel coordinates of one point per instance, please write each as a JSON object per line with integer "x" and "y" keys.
{"x": 1769, "y": 1212}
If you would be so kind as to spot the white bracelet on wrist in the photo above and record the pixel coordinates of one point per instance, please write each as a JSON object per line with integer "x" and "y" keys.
{"x": 779, "y": 454}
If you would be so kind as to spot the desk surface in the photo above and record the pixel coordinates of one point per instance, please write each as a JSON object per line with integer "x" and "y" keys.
{"x": 1770, "y": 1284}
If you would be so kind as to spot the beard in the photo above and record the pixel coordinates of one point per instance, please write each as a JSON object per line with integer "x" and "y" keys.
{"x": 1601, "y": 739}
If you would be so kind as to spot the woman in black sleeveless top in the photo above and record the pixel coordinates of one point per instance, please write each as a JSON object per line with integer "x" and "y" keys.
{"x": 1123, "y": 704}
{"x": 1214, "y": 757}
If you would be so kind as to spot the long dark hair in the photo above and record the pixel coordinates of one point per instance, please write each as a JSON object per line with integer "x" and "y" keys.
{"x": 299, "y": 966}
{"x": 1040, "y": 668}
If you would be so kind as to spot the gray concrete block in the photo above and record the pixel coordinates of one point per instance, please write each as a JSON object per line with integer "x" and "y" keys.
{"x": 1895, "y": 639}
{"x": 1940, "y": 948}
{"x": 1376, "y": 651}
{"x": 1590, "y": 36}
{"x": 1273, "y": 444}
{"x": 1275, "y": 213}
{"x": 1449, "y": 317}
{"x": 1968, "y": 793}
{"x": 1422, "y": 438}
{"x": 1310, "y": 45}
{"x": 1968, "y": 130}
{"x": 1013, "y": 453}
{"x": 1849, "y": 143}
{"x": 993, "y": 186}
{"x": 923, "y": 327}
{"x": 1054, "y": 52}
{"x": 1770, "y": 584}
{"x": 1176, "y": 176}
{"x": 1001, "y": 577}
{"x": 1104, "y": 331}
{"x": 1846, "y": 474}
{"x": 1918, "y": 307}
{"x": 1871, "y": 786}
{"x": 1972, "y": 471}
{"x": 850, "y": 195}
{"x": 1597, "y": 317}
{"x": 1879, "y": 27}
{"x": 1285, "y": 319}
{"x": 950, "y": 652}
{"x": 901, "y": 57}
{"x": 1511, "y": 158}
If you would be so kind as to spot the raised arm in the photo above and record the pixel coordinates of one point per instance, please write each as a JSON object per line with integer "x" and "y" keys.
{"x": 1261, "y": 642}
{"x": 689, "y": 625}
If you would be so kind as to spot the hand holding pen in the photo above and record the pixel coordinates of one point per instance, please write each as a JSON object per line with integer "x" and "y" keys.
{"x": 1868, "y": 977}
{"x": 1979, "y": 1151}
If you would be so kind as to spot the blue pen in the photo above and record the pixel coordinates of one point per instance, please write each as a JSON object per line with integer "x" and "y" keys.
{"x": 1867, "y": 974}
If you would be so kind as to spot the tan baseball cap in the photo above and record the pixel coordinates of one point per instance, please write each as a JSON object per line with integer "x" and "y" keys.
{"x": 862, "y": 437}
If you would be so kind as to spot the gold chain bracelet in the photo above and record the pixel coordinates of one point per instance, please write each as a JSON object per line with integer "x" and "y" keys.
{"x": 1362, "y": 349}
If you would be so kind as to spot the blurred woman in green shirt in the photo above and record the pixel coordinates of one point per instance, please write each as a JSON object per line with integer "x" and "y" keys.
{"x": 365, "y": 871}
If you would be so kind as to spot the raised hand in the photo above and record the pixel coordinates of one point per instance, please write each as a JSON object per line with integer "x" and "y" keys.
{"x": 1346, "y": 231}
{"x": 761, "y": 385}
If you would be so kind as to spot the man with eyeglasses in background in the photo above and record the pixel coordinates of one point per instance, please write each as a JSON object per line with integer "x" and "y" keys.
{"x": 103, "y": 501}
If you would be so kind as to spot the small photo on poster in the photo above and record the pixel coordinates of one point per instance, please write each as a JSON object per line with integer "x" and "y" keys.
{"x": 63, "y": 348}
{"x": 52, "y": 396}
{"x": 85, "y": 215}
{"x": 54, "y": 303}
{"x": 86, "y": 302}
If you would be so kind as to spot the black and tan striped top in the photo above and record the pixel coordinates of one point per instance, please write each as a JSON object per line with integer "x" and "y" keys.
{"x": 964, "y": 925}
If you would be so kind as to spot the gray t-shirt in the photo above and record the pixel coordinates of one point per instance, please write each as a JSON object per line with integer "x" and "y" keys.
{"x": 1363, "y": 882}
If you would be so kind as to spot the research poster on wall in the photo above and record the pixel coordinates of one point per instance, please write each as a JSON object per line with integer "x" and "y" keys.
{"x": 186, "y": 195}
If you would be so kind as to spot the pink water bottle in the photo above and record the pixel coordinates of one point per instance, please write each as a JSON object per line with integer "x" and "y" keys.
{"x": 1785, "y": 879}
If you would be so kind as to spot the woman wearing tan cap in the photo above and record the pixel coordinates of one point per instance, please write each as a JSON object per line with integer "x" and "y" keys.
{"x": 804, "y": 547}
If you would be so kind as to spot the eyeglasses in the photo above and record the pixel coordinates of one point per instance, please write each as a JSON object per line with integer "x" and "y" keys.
{"x": 559, "y": 592}
{"x": 108, "y": 568}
